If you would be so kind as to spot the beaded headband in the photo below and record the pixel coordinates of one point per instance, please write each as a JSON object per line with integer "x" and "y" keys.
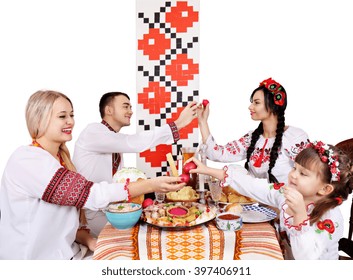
{"x": 276, "y": 89}
{"x": 326, "y": 155}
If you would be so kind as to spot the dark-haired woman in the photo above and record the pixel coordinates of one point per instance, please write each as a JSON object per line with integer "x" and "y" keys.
{"x": 271, "y": 148}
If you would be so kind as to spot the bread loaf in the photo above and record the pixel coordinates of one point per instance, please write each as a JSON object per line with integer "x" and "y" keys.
{"x": 234, "y": 208}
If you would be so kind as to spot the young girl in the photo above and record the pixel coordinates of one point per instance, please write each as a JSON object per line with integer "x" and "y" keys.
{"x": 319, "y": 181}
{"x": 270, "y": 149}
{"x": 41, "y": 194}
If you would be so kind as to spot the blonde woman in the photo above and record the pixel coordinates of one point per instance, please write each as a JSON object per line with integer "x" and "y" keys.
{"x": 41, "y": 194}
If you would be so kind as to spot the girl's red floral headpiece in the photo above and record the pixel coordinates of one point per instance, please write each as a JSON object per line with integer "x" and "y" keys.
{"x": 327, "y": 156}
{"x": 276, "y": 89}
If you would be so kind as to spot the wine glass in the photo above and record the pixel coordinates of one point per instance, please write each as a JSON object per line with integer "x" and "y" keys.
{"x": 216, "y": 191}
{"x": 159, "y": 196}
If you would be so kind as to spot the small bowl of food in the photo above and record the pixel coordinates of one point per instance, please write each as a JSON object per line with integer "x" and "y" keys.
{"x": 178, "y": 211}
{"x": 123, "y": 215}
{"x": 229, "y": 221}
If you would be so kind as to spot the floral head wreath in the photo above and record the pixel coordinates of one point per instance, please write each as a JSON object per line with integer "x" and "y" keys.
{"x": 276, "y": 89}
{"x": 326, "y": 155}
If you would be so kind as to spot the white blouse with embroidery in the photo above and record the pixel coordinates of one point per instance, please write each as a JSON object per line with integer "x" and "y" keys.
{"x": 294, "y": 140}
{"x": 39, "y": 204}
{"x": 316, "y": 242}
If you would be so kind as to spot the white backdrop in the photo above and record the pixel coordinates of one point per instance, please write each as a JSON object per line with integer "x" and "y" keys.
{"x": 86, "y": 48}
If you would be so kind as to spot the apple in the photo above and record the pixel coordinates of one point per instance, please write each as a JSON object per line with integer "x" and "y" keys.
{"x": 185, "y": 178}
{"x": 205, "y": 102}
{"x": 189, "y": 166}
{"x": 147, "y": 202}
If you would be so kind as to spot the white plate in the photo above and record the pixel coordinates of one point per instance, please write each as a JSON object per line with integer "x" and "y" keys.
{"x": 257, "y": 214}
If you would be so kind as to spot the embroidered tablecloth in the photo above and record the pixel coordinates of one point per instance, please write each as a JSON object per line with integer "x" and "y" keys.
{"x": 203, "y": 242}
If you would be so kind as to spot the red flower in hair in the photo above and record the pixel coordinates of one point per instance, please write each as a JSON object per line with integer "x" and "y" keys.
{"x": 279, "y": 98}
{"x": 326, "y": 155}
{"x": 276, "y": 89}
{"x": 324, "y": 158}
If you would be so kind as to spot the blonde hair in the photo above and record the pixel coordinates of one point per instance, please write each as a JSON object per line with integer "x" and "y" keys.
{"x": 38, "y": 112}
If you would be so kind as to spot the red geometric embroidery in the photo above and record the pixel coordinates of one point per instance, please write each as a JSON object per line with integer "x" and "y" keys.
{"x": 175, "y": 131}
{"x": 167, "y": 65}
{"x": 182, "y": 69}
{"x": 184, "y": 132}
{"x": 156, "y": 156}
{"x": 182, "y": 16}
{"x": 67, "y": 188}
{"x": 154, "y": 44}
{"x": 154, "y": 97}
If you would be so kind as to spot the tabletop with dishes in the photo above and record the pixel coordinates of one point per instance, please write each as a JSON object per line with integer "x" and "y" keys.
{"x": 212, "y": 224}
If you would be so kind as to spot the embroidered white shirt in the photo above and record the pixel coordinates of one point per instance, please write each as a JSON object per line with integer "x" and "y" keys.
{"x": 30, "y": 226}
{"x": 293, "y": 141}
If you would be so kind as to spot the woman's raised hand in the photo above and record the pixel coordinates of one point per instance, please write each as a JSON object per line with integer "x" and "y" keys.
{"x": 187, "y": 115}
{"x": 202, "y": 113}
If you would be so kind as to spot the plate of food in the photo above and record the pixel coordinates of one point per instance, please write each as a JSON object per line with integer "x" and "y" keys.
{"x": 178, "y": 215}
{"x": 186, "y": 194}
{"x": 257, "y": 214}
{"x": 230, "y": 196}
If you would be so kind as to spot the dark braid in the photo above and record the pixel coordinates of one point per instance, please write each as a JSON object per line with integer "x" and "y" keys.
{"x": 276, "y": 146}
{"x": 277, "y": 111}
{"x": 254, "y": 137}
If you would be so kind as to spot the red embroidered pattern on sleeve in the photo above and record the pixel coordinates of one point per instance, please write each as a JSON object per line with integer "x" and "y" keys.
{"x": 296, "y": 149}
{"x": 245, "y": 140}
{"x": 127, "y": 182}
{"x": 225, "y": 168}
{"x": 67, "y": 188}
{"x": 175, "y": 131}
{"x": 233, "y": 146}
{"x": 277, "y": 187}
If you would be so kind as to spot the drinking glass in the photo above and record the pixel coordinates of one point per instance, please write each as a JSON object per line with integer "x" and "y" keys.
{"x": 188, "y": 152}
{"x": 159, "y": 197}
{"x": 216, "y": 192}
